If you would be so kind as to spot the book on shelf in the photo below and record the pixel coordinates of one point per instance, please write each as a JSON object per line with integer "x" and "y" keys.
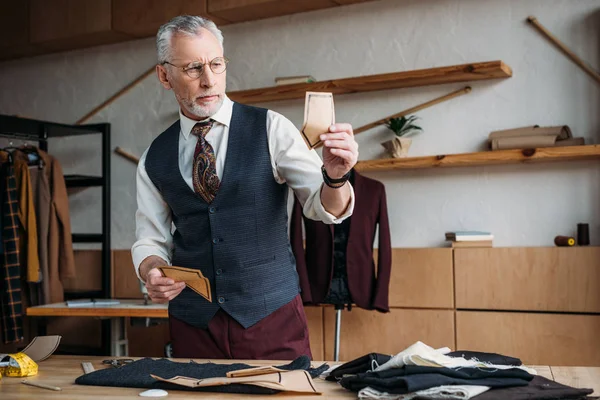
{"x": 468, "y": 236}
{"x": 290, "y": 80}
{"x": 471, "y": 244}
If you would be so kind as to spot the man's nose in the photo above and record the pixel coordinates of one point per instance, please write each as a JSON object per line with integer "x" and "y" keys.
{"x": 207, "y": 79}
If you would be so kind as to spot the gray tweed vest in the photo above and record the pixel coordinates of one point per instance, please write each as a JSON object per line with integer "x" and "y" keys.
{"x": 240, "y": 240}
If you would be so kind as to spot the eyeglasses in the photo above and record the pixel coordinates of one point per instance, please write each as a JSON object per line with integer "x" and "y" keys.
{"x": 195, "y": 69}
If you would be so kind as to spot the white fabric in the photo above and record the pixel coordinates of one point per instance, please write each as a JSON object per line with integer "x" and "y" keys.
{"x": 458, "y": 392}
{"x": 291, "y": 160}
{"x": 426, "y": 356}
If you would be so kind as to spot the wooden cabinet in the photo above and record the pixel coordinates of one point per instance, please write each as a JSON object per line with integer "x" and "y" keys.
{"x": 535, "y": 338}
{"x": 314, "y": 318}
{"x": 142, "y": 18}
{"x": 70, "y": 24}
{"x": 248, "y": 10}
{"x": 535, "y": 278}
{"x": 365, "y": 331}
{"x": 422, "y": 278}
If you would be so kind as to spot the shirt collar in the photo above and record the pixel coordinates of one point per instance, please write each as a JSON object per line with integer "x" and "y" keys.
{"x": 223, "y": 117}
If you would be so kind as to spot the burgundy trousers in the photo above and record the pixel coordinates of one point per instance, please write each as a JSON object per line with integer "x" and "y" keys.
{"x": 283, "y": 335}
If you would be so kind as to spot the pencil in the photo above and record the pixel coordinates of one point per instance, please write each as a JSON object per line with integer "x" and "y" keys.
{"x": 41, "y": 385}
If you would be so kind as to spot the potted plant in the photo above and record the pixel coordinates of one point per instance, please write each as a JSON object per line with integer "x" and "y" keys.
{"x": 402, "y": 127}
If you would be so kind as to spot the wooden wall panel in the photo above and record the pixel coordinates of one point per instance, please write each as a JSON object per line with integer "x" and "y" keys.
{"x": 126, "y": 284}
{"x": 88, "y": 267}
{"x": 535, "y": 338}
{"x": 247, "y": 10}
{"x": 365, "y": 331}
{"x": 148, "y": 342}
{"x": 422, "y": 278}
{"x": 529, "y": 278}
{"x": 70, "y": 24}
{"x": 14, "y": 30}
{"x": 314, "y": 318}
{"x": 142, "y": 18}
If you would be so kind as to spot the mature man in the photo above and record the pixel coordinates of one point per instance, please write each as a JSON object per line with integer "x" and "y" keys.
{"x": 212, "y": 195}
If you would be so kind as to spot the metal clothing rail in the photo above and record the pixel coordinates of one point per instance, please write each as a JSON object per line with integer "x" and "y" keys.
{"x": 13, "y": 127}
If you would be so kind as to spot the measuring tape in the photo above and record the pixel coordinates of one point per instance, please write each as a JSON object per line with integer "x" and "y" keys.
{"x": 19, "y": 365}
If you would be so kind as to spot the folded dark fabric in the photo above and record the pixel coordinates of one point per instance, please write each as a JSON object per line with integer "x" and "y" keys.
{"x": 137, "y": 375}
{"x": 366, "y": 363}
{"x": 539, "y": 388}
{"x": 493, "y": 358}
{"x": 411, "y": 378}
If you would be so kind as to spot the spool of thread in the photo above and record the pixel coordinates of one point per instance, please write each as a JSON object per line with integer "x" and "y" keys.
{"x": 583, "y": 234}
{"x": 564, "y": 241}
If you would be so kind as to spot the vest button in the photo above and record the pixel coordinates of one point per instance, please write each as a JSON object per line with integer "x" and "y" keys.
{"x": 219, "y": 271}
{"x": 215, "y": 240}
{"x": 221, "y": 300}
{"x": 212, "y": 210}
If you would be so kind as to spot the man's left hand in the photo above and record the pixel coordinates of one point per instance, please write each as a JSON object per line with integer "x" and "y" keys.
{"x": 340, "y": 150}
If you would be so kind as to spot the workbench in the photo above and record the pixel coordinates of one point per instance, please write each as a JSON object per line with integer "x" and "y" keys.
{"x": 61, "y": 371}
{"x": 117, "y": 314}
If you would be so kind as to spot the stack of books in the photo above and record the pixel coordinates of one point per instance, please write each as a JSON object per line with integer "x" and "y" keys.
{"x": 470, "y": 238}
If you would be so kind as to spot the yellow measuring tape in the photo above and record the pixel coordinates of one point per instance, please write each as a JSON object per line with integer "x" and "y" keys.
{"x": 19, "y": 365}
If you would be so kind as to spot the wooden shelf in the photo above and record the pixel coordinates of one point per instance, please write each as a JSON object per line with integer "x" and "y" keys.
{"x": 545, "y": 154}
{"x": 394, "y": 80}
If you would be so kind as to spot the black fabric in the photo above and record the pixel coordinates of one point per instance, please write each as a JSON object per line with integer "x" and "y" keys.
{"x": 362, "y": 364}
{"x": 339, "y": 293}
{"x": 539, "y": 388}
{"x": 137, "y": 375}
{"x": 493, "y": 358}
{"x": 411, "y": 378}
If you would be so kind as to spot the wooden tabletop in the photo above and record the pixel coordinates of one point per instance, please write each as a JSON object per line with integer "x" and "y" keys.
{"x": 62, "y": 371}
{"x": 125, "y": 308}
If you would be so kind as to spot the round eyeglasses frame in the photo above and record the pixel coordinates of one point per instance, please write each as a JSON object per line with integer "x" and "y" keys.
{"x": 194, "y": 70}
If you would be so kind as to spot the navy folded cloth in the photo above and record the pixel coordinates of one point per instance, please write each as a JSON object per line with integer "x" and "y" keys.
{"x": 366, "y": 363}
{"x": 137, "y": 375}
{"x": 539, "y": 388}
{"x": 493, "y": 358}
{"x": 412, "y": 378}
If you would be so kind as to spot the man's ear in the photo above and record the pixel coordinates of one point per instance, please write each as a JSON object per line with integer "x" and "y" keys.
{"x": 161, "y": 72}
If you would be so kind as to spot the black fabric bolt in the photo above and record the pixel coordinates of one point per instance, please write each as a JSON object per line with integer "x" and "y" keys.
{"x": 412, "y": 378}
{"x": 137, "y": 375}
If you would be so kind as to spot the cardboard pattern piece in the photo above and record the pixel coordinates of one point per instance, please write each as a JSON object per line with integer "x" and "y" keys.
{"x": 298, "y": 381}
{"x": 319, "y": 115}
{"x": 193, "y": 279}
{"x": 42, "y": 347}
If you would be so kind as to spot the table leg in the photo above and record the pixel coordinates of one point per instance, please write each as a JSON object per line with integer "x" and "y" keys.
{"x": 118, "y": 337}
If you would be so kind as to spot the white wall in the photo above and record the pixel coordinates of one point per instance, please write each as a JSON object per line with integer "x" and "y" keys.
{"x": 523, "y": 205}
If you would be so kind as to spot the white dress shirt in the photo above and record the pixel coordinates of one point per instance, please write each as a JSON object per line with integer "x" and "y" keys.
{"x": 291, "y": 160}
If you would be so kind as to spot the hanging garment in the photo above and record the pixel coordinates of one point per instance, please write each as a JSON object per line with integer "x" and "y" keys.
{"x": 368, "y": 285}
{"x": 27, "y": 217}
{"x": 10, "y": 271}
{"x": 61, "y": 261}
{"x": 42, "y": 201}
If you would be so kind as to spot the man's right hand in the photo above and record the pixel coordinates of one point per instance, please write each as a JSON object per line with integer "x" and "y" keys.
{"x": 162, "y": 289}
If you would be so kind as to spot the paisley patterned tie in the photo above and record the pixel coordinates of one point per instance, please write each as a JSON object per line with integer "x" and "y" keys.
{"x": 204, "y": 174}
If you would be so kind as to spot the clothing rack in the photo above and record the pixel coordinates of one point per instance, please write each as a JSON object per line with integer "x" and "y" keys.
{"x": 13, "y": 127}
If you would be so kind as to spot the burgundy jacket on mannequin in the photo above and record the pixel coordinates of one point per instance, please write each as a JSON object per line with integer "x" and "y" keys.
{"x": 369, "y": 289}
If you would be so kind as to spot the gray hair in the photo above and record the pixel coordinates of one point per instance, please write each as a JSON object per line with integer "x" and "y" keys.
{"x": 182, "y": 25}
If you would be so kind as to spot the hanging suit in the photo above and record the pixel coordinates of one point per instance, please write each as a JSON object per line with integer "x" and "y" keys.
{"x": 369, "y": 287}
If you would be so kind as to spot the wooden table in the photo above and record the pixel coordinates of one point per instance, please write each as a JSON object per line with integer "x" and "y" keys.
{"x": 61, "y": 371}
{"x": 117, "y": 313}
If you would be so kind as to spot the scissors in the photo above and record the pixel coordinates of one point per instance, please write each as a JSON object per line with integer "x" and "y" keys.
{"x": 118, "y": 363}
